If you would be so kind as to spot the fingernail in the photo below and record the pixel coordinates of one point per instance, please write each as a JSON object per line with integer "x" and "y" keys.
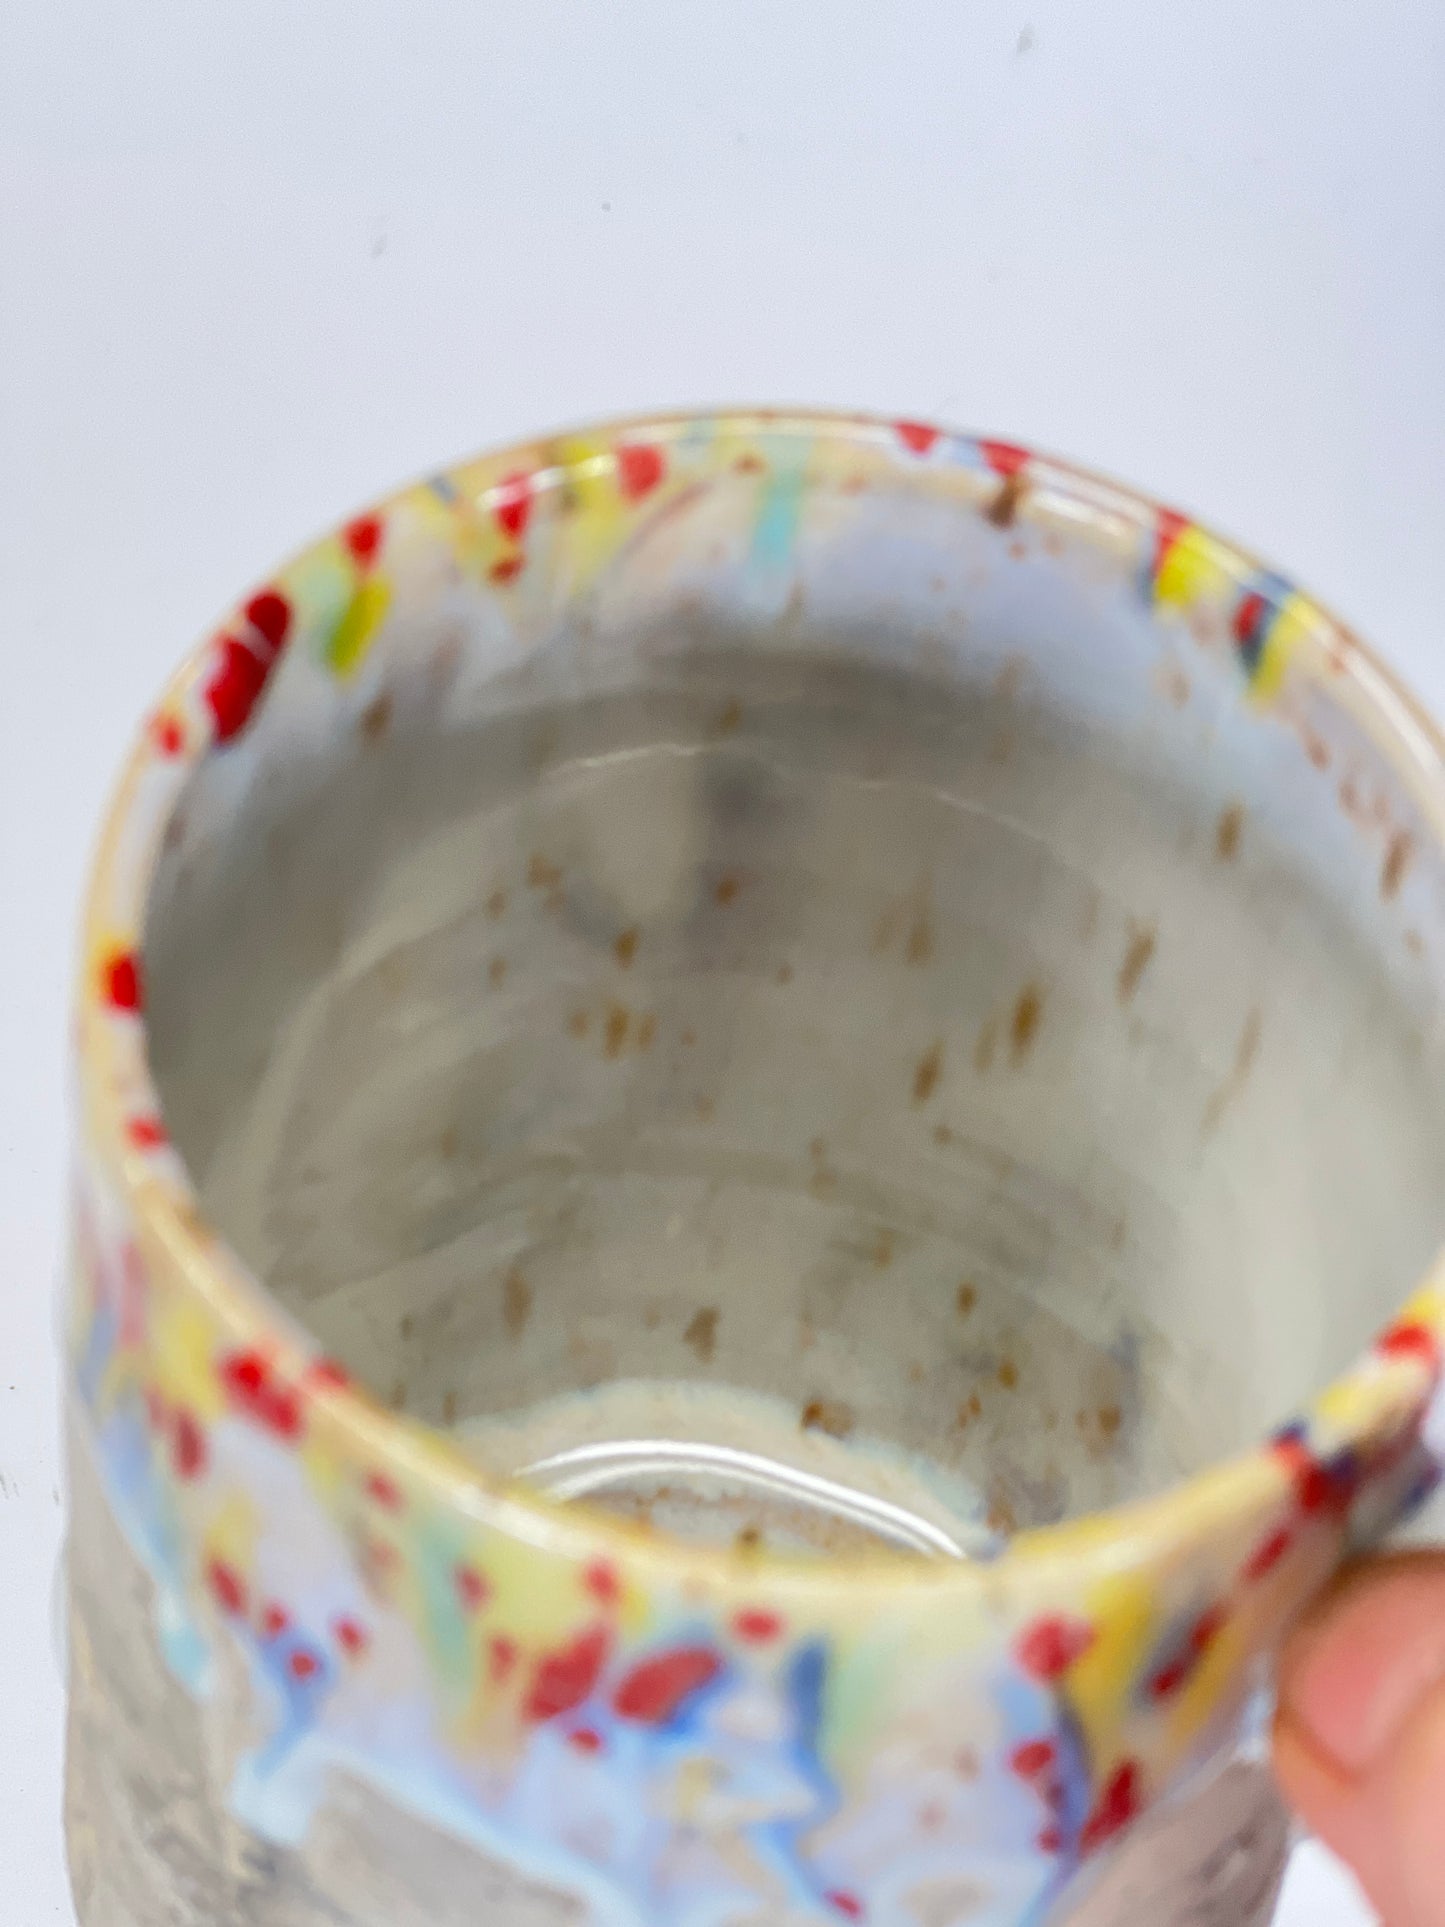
{"x": 1356, "y": 1670}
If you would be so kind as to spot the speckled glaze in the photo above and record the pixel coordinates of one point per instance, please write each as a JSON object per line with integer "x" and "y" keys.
{"x": 638, "y": 1730}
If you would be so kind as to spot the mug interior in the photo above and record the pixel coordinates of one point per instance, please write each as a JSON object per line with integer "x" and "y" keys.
{"x": 886, "y": 1040}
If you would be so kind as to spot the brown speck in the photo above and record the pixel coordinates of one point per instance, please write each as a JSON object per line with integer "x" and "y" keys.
{"x": 625, "y": 948}
{"x": 1001, "y": 1517}
{"x": 652, "y": 1317}
{"x": 917, "y": 1372}
{"x": 497, "y": 972}
{"x": 1136, "y": 959}
{"x": 405, "y": 1326}
{"x": 883, "y": 1250}
{"x": 1024, "y": 1024}
{"x": 579, "y": 1023}
{"x": 1003, "y": 510}
{"x": 497, "y": 904}
{"x": 926, "y": 1073}
{"x": 984, "y": 1046}
{"x": 1172, "y": 684}
{"x": 785, "y": 973}
{"x": 646, "y": 1029}
{"x": 614, "y": 1035}
{"x": 730, "y": 718}
{"x": 701, "y": 1333}
{"x": 543, "y": 874}
{"x": 749, "y": 1539}
{"x": 1008, "y": 1375}
{"x": 1227, "y": 833}
{"x": 1233, "y": 1084}
{"x": 965, "y": 1763}
{"x": 975, "y": 1405}
{"x": 376, "y": 718}
{"x": 963, "y": 1418}
{"x": 726, "y": 888}
{"x": 688, "y": 1038}
{"x": 705, "y": 1108}
{"x": 828, "y": 1415}
{"x": 943, "y": 1134}
{"x": 1316, "y": 748}
{"x": 516, "y": 1303}
{"x": 1110, "y": 1420}
{"x": 449, "y": 1409}
{"x": 1398, "y": 852}
{"x": 919, "y": 947}
{"x": 447, "y": 1144}
{"x": 966, "y": 1297}
{"x": 1018, "y": 549}
{"x": 398, "y": 1395}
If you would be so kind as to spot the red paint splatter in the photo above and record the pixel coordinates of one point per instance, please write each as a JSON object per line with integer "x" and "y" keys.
{"x": 512, "y": 505}
{"x": 755, "y": 1626}
{"x": 1169, "y": 525}
{"x": 502, "y": 1657}
{"x": 253, "y": 1389}
{"x": 328, "y": 1375}
{"x": 640, "y": 468}
{"x": 1411, "y": 1339}
{"x": 1317, "y": 1487}
{"x": 507, "y": 570}
{"x": 168, "y": 736}
{"x": 1201, "y": 1636}
{"x": 145, "y": 1133}
{"x": 1033, "y": 1759}
{"x": 188, "y": 1446}
{"x": 562, "y": 1680}
{"x": 269, "y": 614}
{"x": 351, "y": 1637}
{"x": 1051, "y": 1840}
{"x": 384, "y": 1490}
{"x": 274, "y": 1621}
{"x": 655, "y": 1689}
{"x": 121, "y": 983}
{"x": 1268, "y": 1553}
{"x": 234, "y": 688}
{"x": 472, "y": 1589}
{"x": 304, "y": 1665}
{"x": 1050, "y": 1646}
{"x": 600, "y": 1579}
{"x": 1118, "y": 1805}
{"x": 1004, "y": 458}
{"x": 846, "y": 1904}
{"x": 918, "y": 436}
{"x": 1247, "y": 617}
{"x": 585, "y": 1739}
{"x": 227, "y": 1587}
{"x": 363, "y": 539}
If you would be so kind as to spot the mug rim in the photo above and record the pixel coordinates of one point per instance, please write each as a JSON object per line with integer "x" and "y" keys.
{"x": 1384, "y": 1387}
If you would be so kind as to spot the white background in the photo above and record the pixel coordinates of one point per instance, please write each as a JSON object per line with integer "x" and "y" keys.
{"x": 263, "y": 259}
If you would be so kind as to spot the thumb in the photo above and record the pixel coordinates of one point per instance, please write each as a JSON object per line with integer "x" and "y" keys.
{"x": 1360, "y": 1733}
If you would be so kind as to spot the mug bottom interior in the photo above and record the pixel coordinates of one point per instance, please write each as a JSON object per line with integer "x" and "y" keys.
{"x": 797, "y": 1098}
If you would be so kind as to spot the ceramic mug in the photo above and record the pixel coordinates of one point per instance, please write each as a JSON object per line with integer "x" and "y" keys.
{"x": 733, "y": 1073}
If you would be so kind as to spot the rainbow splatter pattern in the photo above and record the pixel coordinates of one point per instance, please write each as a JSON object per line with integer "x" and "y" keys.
{"x": 676, "y": 1736}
